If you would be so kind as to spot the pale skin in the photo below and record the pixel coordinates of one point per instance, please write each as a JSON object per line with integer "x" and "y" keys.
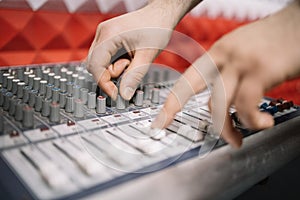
{"x": 251, "y": 60}
{"x": 120, "y": 32}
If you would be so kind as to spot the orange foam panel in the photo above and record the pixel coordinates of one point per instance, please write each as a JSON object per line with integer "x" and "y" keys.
{"x": 28, "y": 37}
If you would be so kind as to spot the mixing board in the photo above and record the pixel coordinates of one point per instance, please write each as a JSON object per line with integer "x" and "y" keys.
{"x": 61, "y": 137}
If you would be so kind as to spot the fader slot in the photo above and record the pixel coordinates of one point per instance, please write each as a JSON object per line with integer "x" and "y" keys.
{"x": 46, "y": 178}
{"x": 49, "y": 171}
{"x": 12, "y": 135}
{"x": 198, "y": 113}
{"x": 78, "y": 177}
{"x": 81, "y": 158}
{"x": 111, "y": 155}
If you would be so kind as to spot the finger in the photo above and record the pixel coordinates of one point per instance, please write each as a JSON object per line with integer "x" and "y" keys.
{"x": 209, "y": 104}
{"x": 100, "y": 57}
{"x": 224, "y": 89}
{"x": 135, "y": 72}
{"x": 189, "y": 84}
{"x": 98, "y": 62}
{"x": 118, "y": 67}
{"x": 107, "y": 85}
{"x": 247, "y": 100}
{"x": 230, "y": 134}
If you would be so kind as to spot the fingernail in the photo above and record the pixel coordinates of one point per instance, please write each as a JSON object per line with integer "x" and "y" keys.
{"x": 128, "y": 93}
{"x": 122, "y": 63}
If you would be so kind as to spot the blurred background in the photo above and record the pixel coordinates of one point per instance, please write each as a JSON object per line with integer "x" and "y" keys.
{"x": 49, "y": 31}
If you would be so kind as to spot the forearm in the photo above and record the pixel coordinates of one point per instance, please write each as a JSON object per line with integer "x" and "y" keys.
{"x": 173, "y": 10}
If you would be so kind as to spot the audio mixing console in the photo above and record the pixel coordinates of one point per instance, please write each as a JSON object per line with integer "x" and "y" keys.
{"x": 62, "y": 138}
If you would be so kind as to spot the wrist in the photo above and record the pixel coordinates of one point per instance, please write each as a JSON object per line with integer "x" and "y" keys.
{"x": 170, "y": 12}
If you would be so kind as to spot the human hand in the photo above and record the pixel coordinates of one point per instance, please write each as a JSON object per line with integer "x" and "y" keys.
{"x": 241, "y": 66}
{"x": 142, "y": 34}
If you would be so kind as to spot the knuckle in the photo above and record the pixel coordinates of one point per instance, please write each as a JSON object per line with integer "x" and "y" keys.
{"x": 107, "y": 28}
{"x": 222, "y": 45}
{"x": 100, "y": 26}
{"x": 91, "y": 65}
{"x": 221, "y": 52}
{"x": 88, "y": 67}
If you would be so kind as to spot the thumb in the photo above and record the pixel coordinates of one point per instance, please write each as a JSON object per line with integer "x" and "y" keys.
{"x": 136, "y": 71}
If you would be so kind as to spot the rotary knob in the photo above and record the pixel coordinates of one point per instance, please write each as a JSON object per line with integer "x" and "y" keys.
{"x": 26, "y": 77}
{"x": 70, "y": 88}
{"x": 1, "y": 77}
{"x": 19, "y": 110}
{"x": 26, "y": 91}
{"x": 51, "y": 78}
{"x": 139, "y": 98}
{"x": 7, "y": 97}
{"x": 75, "y": 78}
{"x": 56, "y": 81}
{"x": 84, "y": 95}
{"x": 49, "y": 87}
{"x": 10, "y": 82}
{"x": 30, "y": 80}
{"x": 55, "y": 94}
{"x": 45, "y": 74}
{"x": 4, "y": 81}
{"x": 69, "y": 76}
{"x": 42, "y": 89}
{"x": 28, "y": 116}
{"x": 63, "y": 72}
{"x": 91, "y": 100}
{"x": 101, "y": 105}
{"x": 62, "y": 99}
{"x": 155, "y": 96}
{"x": 121, "y": 103}
{"x": 2, "y": 92}
{"x": 63, "y": 84}
{"x": 12, "y": 105}
{"x": 15, "y": 85}
{"x": 69, "y": 107}
{"x": 36, "y": 83}
{"x": 78, "y": 108}
{"x": 46, "y": 107}
{"x": 38, "y": 102}
{"x": 20, "y": 74}
{"x": 20, "y": 89}
{"x": 54, "y": 112}
{"x": 147, "y": 91}
{"x": 32, "y": 94}
{"x": 81, "y": 81}
{"x": 76, "y": 91}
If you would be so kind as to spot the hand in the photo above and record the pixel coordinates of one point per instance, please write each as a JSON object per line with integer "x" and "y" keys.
{"x": 142, "y": 34}
{"x": 249, "y": 61}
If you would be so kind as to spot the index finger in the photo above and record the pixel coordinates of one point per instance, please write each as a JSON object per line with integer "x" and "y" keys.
{"x": 98, "y": 61}
{"x": 194, "y": 80}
